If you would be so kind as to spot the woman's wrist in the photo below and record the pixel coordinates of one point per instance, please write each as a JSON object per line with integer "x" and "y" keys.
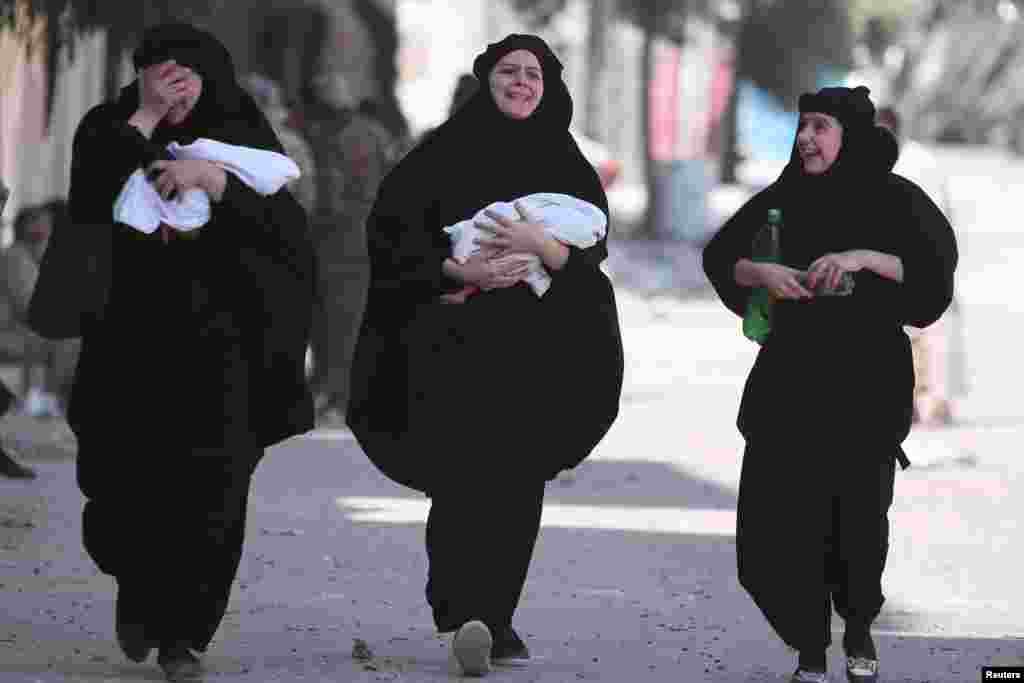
{"x": 747, "y": 273}
{"x": 884, "y": 265}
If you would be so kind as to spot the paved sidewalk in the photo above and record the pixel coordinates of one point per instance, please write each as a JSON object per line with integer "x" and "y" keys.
{"x": 634, "y": 580}
{"x": 634, "y": 574}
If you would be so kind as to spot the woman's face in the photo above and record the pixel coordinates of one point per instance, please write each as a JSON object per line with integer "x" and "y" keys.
{"x": 517, "y": 84}
{"x": 183, "y": 107}
{"x": 819, "y": 138}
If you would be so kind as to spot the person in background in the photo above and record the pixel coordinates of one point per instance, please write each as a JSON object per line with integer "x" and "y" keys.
{"x": 351, "y": 153}
{"x": 47, "y": 395}
{"x": 267, "y": 95}
{"x": 465, "y": 87}
{"x": 9, "y": 467}
{"x": 939, "y": 348}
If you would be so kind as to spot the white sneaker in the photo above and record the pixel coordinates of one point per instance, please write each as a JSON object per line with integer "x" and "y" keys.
{"x": 472, "y": 648}
{"x": 805, "y": 676}
{"x": 35, "y": 404}
{"x": 862, "y": 669}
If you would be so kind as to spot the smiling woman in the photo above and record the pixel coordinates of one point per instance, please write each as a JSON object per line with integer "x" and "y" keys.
{"x": 479, "y": 403}
{"x": 517, "y": 84}
{"x": 812, "y": 527}
{"x": 819, "y": 138}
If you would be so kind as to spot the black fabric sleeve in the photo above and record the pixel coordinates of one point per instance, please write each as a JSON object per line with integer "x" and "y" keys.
{"x": 276, "y": 223}
{"x": 105, "y": 152}
{"x": 406, "y": 257}
{"x": 590, "y": 257}
{"x": 731, "y": 243}
{"x": 929, "y": 254}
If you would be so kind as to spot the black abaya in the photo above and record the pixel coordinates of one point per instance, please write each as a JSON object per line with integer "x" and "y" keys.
{"x": 829, "y": 400}
{"x": 197, "y": 364}
{"x": 501, "y": 392}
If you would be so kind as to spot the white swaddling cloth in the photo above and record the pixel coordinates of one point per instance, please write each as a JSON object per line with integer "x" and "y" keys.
{"x": 141, "y": 206}
{"x": 565, "y": 218}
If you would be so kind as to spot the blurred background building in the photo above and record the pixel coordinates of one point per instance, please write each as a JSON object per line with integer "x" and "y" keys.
{"x": 682, "y": 101}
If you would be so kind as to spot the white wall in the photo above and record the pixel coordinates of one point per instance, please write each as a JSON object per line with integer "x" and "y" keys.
{"x": 35, "y": 163}
{"x": 438, "y": 41}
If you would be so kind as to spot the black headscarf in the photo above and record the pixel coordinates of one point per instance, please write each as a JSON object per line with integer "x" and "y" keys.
{"x": 868, "y": 152}
{"x": 488, "y": 156}
{"x": 224, "y": 112}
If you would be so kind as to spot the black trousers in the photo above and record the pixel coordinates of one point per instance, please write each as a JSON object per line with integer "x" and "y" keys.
{"x": 480, "y": 539}
{"x": 812, "y": 534}
{"x": 170, "y": 530}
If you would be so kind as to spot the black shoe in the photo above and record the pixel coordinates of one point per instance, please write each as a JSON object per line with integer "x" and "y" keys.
{"x": 12, "y": 469}
{"x": 131, "y": 632}
{"x": 509, "y": 649}
{"x": 179, "y": 664}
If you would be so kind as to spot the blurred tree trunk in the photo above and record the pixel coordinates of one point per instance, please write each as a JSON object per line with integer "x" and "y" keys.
{"x": 602, "y": 14}
{"x": 781, "y": 48}
{"x": 730, "y": 135}
{"x": 649, "y": 228}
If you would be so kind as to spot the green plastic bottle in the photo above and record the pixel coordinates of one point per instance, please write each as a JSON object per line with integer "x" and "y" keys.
{"x": 757, "y": 322}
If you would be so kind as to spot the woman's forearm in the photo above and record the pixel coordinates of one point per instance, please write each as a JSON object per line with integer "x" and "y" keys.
{"x": 747, "y": 273}
{"x": 886, "y": 265}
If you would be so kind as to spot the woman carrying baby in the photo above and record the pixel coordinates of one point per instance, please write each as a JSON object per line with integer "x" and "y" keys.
{"x": 200, "y": 348}
{"x": 479, "y": 403}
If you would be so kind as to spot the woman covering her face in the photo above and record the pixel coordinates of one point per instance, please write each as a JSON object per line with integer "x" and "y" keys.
{"x": 197, "y": 364}
{"x": 479, "y": 403}
{"x": 830, "y": 397}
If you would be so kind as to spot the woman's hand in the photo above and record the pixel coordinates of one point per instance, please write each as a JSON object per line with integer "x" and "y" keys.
{"x": 827, "y": 270}
{"x": 160, "y": 87}
{"x": 781, "y": 281}
{"x": 179, "y": 176}
{"x": 489, "y": 273}
{"x": 525, "y": 235}
{"x": 830, "y": 267}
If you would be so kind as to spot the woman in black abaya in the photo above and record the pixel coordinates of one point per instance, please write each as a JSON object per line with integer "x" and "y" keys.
{"x": 829, "y": 399}
{"x": 197, "y": 363}
{"x": 478, "y": 404}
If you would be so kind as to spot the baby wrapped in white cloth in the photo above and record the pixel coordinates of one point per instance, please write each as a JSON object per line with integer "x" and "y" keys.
{"x": 141, "y": 206}
{"x": 565, "y": 218}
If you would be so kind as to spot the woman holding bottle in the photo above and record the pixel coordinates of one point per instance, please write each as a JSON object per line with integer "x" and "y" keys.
{"x": 830, "y": 397}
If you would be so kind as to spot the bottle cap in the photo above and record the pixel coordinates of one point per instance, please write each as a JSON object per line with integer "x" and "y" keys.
{"x": 775, "y": 215}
